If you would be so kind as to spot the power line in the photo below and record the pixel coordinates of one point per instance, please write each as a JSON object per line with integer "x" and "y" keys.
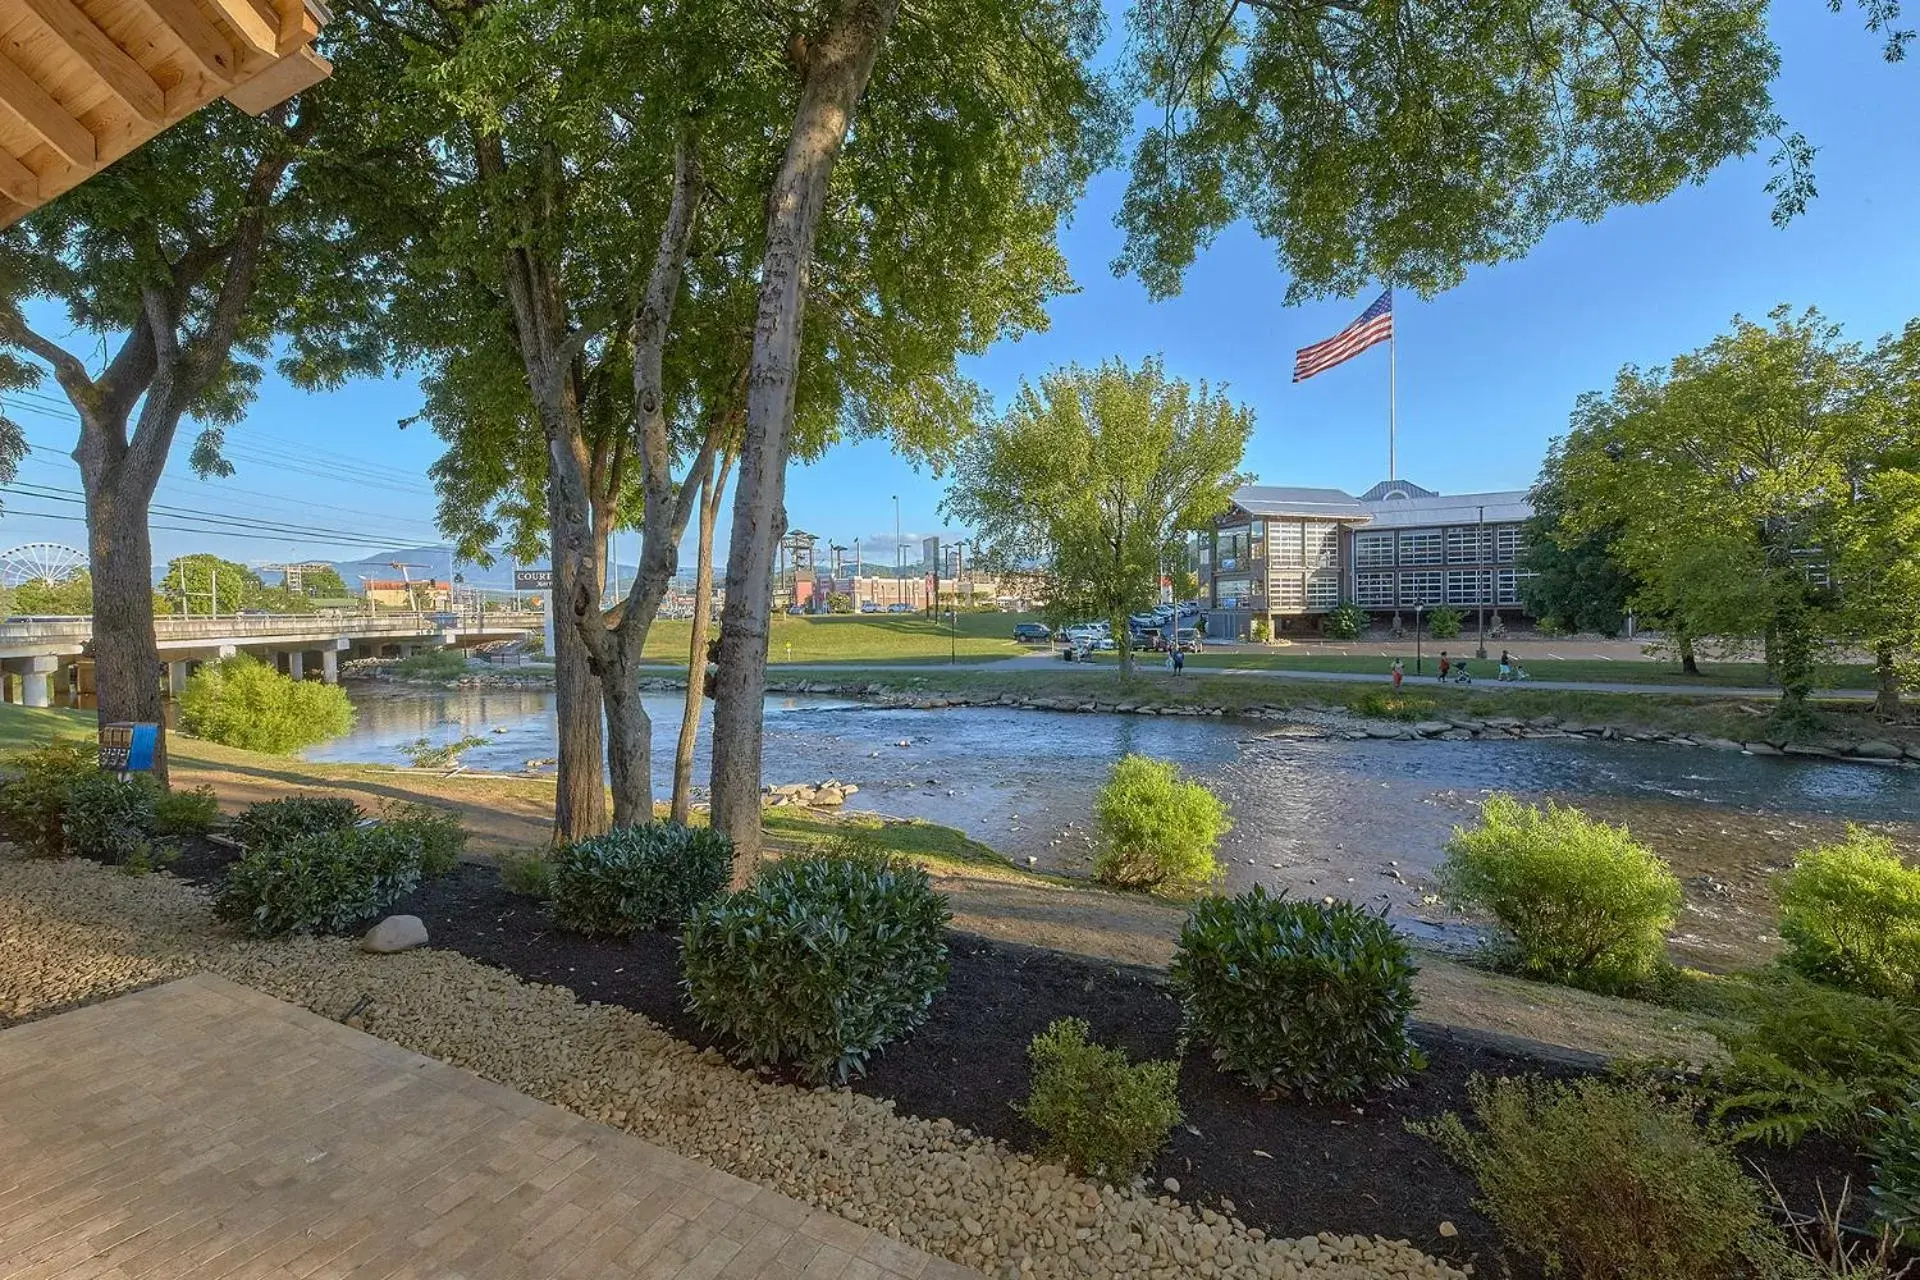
{"x": 214, "y": 522}
{"x": 278, "y": 539}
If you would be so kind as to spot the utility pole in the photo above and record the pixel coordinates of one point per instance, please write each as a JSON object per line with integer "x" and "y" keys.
{"x": 859, "y": 573}
{"x": 899, "y": 554}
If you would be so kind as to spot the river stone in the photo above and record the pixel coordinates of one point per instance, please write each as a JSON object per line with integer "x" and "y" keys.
{"x": 1763, "y": 749}
{"x": 1719, "y": 744}
{"x": 1428, "y": 728}
{"x": 1877, "y": 751}
{"x": 395, "y": 933}
{"x": 1802, "y": 749}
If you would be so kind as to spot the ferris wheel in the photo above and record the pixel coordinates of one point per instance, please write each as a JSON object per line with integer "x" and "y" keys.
{"x": 51, "y": 562}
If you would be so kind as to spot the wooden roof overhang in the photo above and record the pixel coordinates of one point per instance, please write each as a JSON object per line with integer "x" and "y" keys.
{"x": 84, "y": 82}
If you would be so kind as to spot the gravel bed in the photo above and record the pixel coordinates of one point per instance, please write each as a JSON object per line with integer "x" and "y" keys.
{"x": 72, "y": 932}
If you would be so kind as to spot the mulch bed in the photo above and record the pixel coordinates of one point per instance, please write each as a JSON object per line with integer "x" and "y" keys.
{"x": 1289, "y": 1168}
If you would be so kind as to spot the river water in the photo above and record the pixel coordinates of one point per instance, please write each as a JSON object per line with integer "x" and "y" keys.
{"x": 1360, "y": 820}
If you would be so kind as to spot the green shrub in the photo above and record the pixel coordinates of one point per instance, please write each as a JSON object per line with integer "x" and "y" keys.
{"x": 437, "y": 831}
{"x": 1850, "y": 915}
{"x": 1157, "y": 830}
{"x": 109, "y": 820}
{"x": 1346, "y": 622}
{"x": 530, "y": 876}
{"x": 320, "y": 883}
{"x": 1895, "y": 1150}
{"x": 1105, "y": 1116}
{"x": 276, "y": 822}
{"x": 1580, "y": 902}
{"x": 1298, "y": 997}
{"x": 433, "y": 664}
{"x": 637, "y": 878}
{"x": 1602, "y": 1181}
{"x": 820, "y": 962}
{"x": 1806, "y": 1058}
{"x": 33, "y": 800}
{"x": 1444, "y": 623}
{"x": 1384, "y": 704}
{"x": 242, "y": 703}
{"x": 1259, "y": 631}
{"x": 186, "y": 813}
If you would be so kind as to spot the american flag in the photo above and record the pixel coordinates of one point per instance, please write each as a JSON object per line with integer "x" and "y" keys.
{"x": 1375, "y": 325}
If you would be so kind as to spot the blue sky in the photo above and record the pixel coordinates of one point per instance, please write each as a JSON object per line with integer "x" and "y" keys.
{"x": 1487, "y": 372}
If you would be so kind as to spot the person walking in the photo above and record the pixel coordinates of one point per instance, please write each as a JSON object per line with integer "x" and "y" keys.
{"x": 1506, "y": 665}
{"x": 1179, "y": 658}
{"x": 1445, "y": 666}
{"x": 1396, "y": 672}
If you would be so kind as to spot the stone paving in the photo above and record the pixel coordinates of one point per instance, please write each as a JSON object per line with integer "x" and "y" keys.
{"x": 204, "y": 1129}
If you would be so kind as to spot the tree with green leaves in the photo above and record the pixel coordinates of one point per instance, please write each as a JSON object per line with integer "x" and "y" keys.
{"x": 1723, "y": 480}
{"x": 1096, "y": 477}
{"x": 1376, "y": 141}
{"x": 182, "y": 262}
{"x": 1571, "y": 583}
{"x": 206, "y": 586}
{"x": 323, "y": 583}
{"x": 71, "y": 597}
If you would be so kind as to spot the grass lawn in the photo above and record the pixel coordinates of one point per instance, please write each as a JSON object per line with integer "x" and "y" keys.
{"x": 1648, "y": 671}
{"x": 864, "y": 637}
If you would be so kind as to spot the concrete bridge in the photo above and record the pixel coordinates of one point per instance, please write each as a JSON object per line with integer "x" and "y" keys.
{"x": 50, "y": 655}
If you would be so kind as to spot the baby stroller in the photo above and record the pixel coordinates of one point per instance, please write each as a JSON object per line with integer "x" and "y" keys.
{"x": 1460, "y": 674}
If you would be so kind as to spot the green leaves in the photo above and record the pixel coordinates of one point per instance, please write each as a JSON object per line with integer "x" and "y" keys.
{"x": 1105, "y": 1116}
{"x": 823, "y": 961}
{"x": 241, "y": 702}
{"x": 1298, "y": 997}
{"x": 1850, "y": 915}
{"x": 1157, "y": 830}
{"x": 637, "y": 878}
{"x": 272, "y": 823}
{"x": 320, "y": 883}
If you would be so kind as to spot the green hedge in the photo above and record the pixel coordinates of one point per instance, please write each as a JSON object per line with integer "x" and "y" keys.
{"x": 320, "y": 883}
{"x": 1850, "y": 915}
{"x": 277, "y": 822}
{"x": 637, "y": 878}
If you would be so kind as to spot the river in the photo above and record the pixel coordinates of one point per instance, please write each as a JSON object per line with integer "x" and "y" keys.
{"x": 1360, "y": 820}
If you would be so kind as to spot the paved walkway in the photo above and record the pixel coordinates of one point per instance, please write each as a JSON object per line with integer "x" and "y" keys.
{"x": 203, "y": 1129}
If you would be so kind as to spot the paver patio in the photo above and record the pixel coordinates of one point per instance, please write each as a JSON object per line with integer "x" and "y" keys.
{"x": 204, "y": 1129}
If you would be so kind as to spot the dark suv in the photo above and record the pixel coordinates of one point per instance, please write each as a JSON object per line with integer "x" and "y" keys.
{"x": 1032, "y": 633}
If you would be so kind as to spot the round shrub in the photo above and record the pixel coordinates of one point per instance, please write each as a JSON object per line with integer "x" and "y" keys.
{"x": 1604, "y": 1182}
{"x": 276, "y": 822}
{"x": 187, "y": 813}
{"x": 1298, "y": 997}
{"x": 1580, "y": 902}
{"x": 437, "y": 831}
{"x": 1105, "y": 1116}
{"x": 33, "y": 800}
{"x": 1156, "y": 829}
{"x": 109, "y": 820}
{"x": 1850, "y": 916}
{"x": 1444, "y": 623}
{"x": 820, "y": 962}
{"x": 240, "y": 702}
{"x": 320, "y": 883}
{"x": 637, "y": 878}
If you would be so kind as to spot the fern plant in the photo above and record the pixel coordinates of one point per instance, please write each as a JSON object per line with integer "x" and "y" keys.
{"x": 1895, "y": 1149}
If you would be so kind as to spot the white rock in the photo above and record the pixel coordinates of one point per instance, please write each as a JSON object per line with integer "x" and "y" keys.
{"x": 395, "y": 933}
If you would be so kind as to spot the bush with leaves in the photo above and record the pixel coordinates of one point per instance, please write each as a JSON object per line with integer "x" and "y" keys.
{"x": 433, "y": 664}
{"x": 529, "y": 875}
{"x": 244, "y": 703}
{"x": 1157, "y": 830}
{"x": 33, "y": 800}
{"x": 1386, "y": 705}
{"x": 320, "y": 883}
{"x": 1805, "y": 1058}
{"x": 277, "y": 822}
{"x": 1603, "y": 1181}
{"x": 437, "y": 831}
{"x": 1895, "y": 1151}
{"x": 110, "y": 820}
{"x": 1580, "y": 901}
{"x": 1298, "y": 997}
{"x": 820, "y": 962}
{"x": 1347, "y": 622}
{"x": 636, "y": 878}
{"x": 1444, "y": 623}
{"x": 186, "y": 813}
{"x": 1850, "y": 915}
{"x": 1106, "y": 1116}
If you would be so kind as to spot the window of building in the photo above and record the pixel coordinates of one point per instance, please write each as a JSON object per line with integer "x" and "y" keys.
{"x": 1283, "y": 544}
{"x": 1323, "y": 592}
{"x": 1508, "y": 543}
{"x": 1373, "y": 550}
{"x": 1373, "y": 590}
{"x": 1509, "y": 586}
{"x": 1232, "y": 593}
{"x": 1424, "y": 587}
{"x": 1233, "y": 545}
{"x": 1466, "y": 586}
{"x": 1420, "y": 546}
{"x": 1465, "y": 545}
{"x": 1289, "y": 591}
{"x": 1322, "y": 544}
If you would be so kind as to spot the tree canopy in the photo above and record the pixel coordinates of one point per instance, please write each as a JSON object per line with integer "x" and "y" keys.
{"x": 201, "y": 584}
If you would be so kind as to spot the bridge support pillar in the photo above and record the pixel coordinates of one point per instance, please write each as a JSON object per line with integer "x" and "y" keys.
{"x": 177, "y": 672}
{"x": 36, "y": 681}
{"x": 297, "y": 665}
{"x": 330, "y": 666}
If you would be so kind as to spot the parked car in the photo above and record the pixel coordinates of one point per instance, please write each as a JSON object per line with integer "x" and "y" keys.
{"x": 1189, "y": 640}
{"x": 868, "y": 606}
{"x": 900, "y": 607}
{"x": 1032, "y": 632}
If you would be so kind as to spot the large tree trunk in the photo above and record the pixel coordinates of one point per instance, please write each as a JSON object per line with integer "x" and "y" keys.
{"x": 836, "y": 71}
{"x": 710, "y": 495}
{"x": 1886, "y": 698}
{"x": 1689, "y": 663}
{"x": 580, "y": 798}
{"x": 126, "y": 657}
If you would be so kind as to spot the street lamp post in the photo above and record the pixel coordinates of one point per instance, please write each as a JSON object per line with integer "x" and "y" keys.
{"x": 899, "y": 579}
{"x": 1419, "y": 660}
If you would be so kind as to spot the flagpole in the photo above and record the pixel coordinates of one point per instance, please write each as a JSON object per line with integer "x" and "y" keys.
{"x": 1393, "y": 394}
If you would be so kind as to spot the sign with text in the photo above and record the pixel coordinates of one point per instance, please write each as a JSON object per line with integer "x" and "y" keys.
{"x": 129, "y": 748}
{"x": 533, "y": 579}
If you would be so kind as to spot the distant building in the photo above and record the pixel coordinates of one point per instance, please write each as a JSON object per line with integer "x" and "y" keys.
{"x": 1292, "y": 555}
{"x": 397, "y": 593}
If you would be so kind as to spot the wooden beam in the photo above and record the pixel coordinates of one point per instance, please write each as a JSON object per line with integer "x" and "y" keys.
{"x": 17, "y": 181}
{"x": 22, "y": 95}
{"x": 288, "y": 76}
{"x": 248, "y": 22}
{"x": 297, "y": 28}
{"x": 124, "y": 77}
{"x": 197, "y": 35}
